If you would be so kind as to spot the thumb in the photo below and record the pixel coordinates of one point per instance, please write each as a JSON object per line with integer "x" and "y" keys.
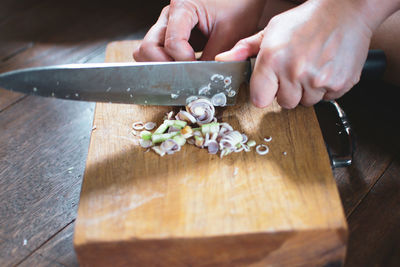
{"x": 243, "y": 49}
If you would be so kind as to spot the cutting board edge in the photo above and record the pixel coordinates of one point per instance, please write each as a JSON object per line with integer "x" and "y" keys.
{"x": 269, "y": 248}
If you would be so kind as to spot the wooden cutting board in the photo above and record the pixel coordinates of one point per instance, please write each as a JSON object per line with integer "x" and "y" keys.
{"x": 195, "y": 209}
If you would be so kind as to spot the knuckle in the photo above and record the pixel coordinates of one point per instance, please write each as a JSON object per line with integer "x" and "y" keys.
{"x": 298, "y": 71}
{"x": 176, "y": 3}
{"x": 165, "y": 9}
{"x": 356, "y": 80}
{"x": 274, "y": 20}
{"x": 338, "y": 86}
{"x": 170, "y": 43}
{"x": 242, "y": 43}
{"x": 180, "y": 4}
{"x": 315, "y": 82}
{"x": 267, "y": 57}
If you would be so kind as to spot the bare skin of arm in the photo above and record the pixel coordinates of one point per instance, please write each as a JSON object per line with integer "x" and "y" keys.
{"x": 311, "y": 52}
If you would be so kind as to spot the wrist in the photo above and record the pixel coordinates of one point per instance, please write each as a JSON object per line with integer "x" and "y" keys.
{"x": 374, "y": 12}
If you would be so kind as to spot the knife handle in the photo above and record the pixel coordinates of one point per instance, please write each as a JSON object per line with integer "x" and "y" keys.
{"x": 373, "y": 69}
{"x": 374, "y": 66}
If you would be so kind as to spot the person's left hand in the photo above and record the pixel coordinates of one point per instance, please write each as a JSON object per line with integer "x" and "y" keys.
{"x": 315, "y": 51}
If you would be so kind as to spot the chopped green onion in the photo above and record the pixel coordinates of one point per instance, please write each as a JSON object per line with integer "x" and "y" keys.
{"x": 161, "y": 129}
{"x": 179, "y": 124}
{"x": 158, "y": 138}
{"x": 145, "y": 135}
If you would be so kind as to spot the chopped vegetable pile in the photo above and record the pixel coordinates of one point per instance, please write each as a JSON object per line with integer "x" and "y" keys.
{"x": 196, "y": 126}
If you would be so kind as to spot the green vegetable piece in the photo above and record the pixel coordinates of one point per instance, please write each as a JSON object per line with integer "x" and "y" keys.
{"x": 161, "y": 129}
{"x": 159, "y": 138}
{"x": 145, "y": 135}
{"x": 179, "y": 124}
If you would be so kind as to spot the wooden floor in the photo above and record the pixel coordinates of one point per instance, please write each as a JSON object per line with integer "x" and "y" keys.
{"x": 44, "y": 142}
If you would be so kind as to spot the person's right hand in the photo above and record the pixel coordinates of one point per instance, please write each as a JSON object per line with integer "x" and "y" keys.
{"x": 223, "y": 22}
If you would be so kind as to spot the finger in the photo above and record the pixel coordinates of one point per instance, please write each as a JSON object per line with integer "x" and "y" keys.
{"x": 289, "y": 94}
{"x": 152, "y": 46}
{"x": 244, "y": 49}
{"x": 216, "y": 44}
{"x": 312, "y": 96}
{"x": 334, "y": 95}
{"x": 263, "y": 83}
{"x": 182, "y": 19}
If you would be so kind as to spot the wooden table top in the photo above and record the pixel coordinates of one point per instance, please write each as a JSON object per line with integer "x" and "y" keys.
{"x": 44, "y": 142}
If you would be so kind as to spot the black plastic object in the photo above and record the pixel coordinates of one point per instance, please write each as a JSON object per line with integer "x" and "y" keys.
{"x": 374, "y": 66}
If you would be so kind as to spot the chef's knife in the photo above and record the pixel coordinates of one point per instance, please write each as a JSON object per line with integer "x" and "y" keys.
{"x": 156, "y": 83}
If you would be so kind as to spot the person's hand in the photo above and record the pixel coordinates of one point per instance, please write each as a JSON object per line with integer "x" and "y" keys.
{"x": 315, "y": 51}
{"x": 223, "y": 22}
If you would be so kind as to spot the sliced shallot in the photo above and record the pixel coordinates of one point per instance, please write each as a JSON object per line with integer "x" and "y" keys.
{"x": 216, "y": 77}
{"x": 205, "y": 90}
{"x": 212, "y": 147}
{"x": 231, "y": 93}
{"x": 238, "y": 149}
{"x": 170, "y": 146}
{"x": 262, "y": 149}
{"x": 138, "y": 126}
{"x": 230, "y": 140}
{"x": 246, "y": 148}
{"x": 145, "y": 143}
{"x": 173, "y": 129}
{"x": 268, "y": 139}
{"x": 202, "y": 109}
{"x": 158, "y": 150}
{"x": 185, "y": 116}
{"x": 219, "y": 100}
{"x": 150, "y": 126}
{"x": 245, "y": 138}
{"x": 227, "y": 81}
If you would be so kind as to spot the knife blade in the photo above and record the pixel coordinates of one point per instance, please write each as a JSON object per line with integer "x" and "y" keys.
{"x": 150, "y": 83}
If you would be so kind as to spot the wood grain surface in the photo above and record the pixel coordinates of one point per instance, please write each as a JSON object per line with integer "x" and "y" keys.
{"x": 183, "y": 208}
{"x": 44, "y": 142}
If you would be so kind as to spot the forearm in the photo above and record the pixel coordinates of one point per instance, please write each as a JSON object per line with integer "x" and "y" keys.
{"x": 377, "y": 11}
{"x": 372, "y": 12}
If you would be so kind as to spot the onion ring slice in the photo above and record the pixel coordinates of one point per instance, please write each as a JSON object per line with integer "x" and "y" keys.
{"x": 262, "y": 149}
{"x": 138, "y": 126}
